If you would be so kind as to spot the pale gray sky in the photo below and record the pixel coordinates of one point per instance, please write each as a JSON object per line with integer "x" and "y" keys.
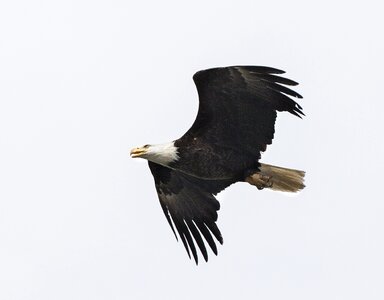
{"x": 81, "y": 82}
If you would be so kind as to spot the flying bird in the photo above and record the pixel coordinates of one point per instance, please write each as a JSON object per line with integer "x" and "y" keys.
{"x": 235, "y": 122}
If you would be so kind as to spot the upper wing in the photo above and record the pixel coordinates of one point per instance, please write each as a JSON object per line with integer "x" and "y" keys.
{"x": 188, "y": 203}
{"x": 237, "y": 106}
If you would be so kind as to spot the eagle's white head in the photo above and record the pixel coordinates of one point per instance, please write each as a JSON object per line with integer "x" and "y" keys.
{"x": 162, "y": 154}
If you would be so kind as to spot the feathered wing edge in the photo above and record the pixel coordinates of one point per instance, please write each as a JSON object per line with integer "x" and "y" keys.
{"x": 259, "y": 81}
{"x": 189, "y": 208}
{"x": 262, "y": 81}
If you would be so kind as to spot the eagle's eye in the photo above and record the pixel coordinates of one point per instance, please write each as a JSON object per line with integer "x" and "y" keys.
{"x": 146, "y": 146}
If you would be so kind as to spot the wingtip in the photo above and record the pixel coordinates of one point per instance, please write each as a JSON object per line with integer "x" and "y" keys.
{"x": 298, "y": 96}
{"x": 262, "y": 69}
{"x": 299, "y": 113}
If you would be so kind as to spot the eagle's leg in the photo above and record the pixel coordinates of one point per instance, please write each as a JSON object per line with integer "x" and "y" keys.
{"x": 259, "y": 180}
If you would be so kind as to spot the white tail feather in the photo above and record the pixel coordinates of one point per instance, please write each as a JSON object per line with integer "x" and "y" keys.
{"x": 284, "y": 179}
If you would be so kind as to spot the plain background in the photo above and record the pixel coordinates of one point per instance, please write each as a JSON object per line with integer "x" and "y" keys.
{"x": 82, "y": 82}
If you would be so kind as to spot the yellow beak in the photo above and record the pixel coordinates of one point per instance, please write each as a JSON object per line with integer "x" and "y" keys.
{"x": 137, "y": 152}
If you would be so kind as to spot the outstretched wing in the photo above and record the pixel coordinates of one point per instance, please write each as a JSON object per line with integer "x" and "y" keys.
{"x": 189, "y": 204}
{"x": 237, "y": 106}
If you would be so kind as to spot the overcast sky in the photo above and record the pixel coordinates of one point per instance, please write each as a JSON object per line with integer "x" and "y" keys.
{"x": 82, "y": 82}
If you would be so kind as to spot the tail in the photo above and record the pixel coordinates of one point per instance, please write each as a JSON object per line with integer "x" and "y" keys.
{"x": 277, "y": 179}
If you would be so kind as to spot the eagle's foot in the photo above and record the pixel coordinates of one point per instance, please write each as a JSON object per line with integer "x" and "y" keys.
{"x": 260, "y": 181}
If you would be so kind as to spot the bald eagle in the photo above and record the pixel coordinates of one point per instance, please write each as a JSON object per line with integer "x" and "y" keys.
{"x": 235, "y": 123}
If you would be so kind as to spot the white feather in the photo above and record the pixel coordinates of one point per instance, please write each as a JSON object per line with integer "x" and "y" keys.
{"x": 162, "y": 154}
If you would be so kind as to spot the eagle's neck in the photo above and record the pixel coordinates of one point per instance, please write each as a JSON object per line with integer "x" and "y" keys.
{"x": 162, "y": 154}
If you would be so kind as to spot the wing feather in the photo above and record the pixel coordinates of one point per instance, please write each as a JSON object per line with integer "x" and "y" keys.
{"x": 207, "y": 235}
{"x": 237, "y": 113}
{"x": 197, "y": 237}
{"x": 274, "y": 78}
{"x": 190, "y": 207}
